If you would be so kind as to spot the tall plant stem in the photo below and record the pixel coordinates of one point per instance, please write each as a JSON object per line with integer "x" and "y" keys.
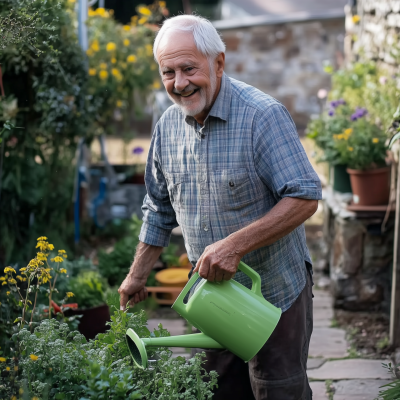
{"x": 25, "y": 303}
{"x": 34, "y": 306}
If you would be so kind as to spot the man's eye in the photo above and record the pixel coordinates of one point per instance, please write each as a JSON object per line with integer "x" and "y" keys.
{"x": 168, "y": 72}
{"x": 188, "y": 69}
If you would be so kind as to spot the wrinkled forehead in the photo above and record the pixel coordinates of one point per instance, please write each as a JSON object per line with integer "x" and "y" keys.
{"x": 178, "y": 45}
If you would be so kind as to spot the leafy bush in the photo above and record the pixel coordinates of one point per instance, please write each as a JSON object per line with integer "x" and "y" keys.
{"x": 89, "y": 288}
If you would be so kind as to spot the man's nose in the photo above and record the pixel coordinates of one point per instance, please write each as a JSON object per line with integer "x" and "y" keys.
{"x": 180, "y": 81}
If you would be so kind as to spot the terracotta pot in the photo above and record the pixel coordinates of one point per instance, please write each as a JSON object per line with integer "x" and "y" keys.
{"x": 370, "y": 187}
{"x": 93, "y": 320}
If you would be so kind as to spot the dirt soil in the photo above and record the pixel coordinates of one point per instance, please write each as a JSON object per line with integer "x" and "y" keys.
{"x": 368, "y": 333}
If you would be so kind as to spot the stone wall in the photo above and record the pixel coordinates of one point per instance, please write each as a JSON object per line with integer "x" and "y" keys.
{"x": 378, "y": 31}
{"x": 286, "y": 60}
{"x": 359, "y": 256}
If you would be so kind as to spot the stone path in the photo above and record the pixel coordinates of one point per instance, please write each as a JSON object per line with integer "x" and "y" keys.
{"x": 353, "y": 379}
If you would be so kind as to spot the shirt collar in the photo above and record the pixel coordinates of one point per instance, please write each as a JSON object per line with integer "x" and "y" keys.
{"x": 222, "y": 104}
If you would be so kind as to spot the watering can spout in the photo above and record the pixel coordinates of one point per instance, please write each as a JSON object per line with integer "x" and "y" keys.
{"x": 137, "y": 346}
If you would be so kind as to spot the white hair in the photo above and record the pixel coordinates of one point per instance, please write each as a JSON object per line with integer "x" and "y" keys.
{"x": 206, "y": 37}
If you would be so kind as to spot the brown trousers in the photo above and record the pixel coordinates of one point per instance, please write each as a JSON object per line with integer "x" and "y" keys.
{"x": 279, "y": 370}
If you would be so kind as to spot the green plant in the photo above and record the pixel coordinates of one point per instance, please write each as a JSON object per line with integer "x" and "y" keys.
{"x": 89, "y": 288}
{"x": 170, "y": 255}
{"x": 121, "y": 62}
{"x": 391, "y": 391}
{"x": 330, "y": 389}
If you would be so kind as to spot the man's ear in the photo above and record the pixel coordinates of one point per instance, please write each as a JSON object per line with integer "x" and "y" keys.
{"x": 220, "y": 64}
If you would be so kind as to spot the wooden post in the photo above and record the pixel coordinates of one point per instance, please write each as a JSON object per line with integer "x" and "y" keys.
{"x": 395, "y": 303}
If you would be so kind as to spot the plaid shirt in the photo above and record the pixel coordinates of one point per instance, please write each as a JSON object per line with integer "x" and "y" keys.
{"x": 215, "y": 179}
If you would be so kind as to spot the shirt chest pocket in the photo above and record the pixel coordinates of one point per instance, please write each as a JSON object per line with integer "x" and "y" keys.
{"x": 234, "y": 189}
{"x": 178, "y": 186}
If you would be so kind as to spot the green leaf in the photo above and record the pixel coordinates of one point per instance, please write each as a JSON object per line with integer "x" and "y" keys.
{"x": 395, "y": 137}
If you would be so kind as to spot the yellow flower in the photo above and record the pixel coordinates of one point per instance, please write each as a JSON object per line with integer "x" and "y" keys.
{"x": 111, "y": 46}
{"x": 63, "y": 271}
{"x": 50, "y": 247}
{"x": 9, "y": 269}
{"x": 41, "y": 238}
{"x": 61, "y": 252}
{"x": 350, "y": 148}
{"x": 95, "y": 45}
{"x": 103, "y": 74}
{"x": 12, "y": 281}
{"x": 126, "y": 42}
{"x": 14, "y": 398}
{"x": 375, "y": 140}
{"x": 156, "y": 84}
{"x": 92, "y": 71}
{"x": 131, "y": 58}
{"x": 144, "y": 10}
{"x": 91, "y": 13}
{"x": 41, "y": 256}
{"x": 72, "y": 1}
{"x": 20, "y": 278}
{"x": 134, "y": 20}
{"x": 2, "y": 359}
{"x": 57, "y": 259}
{"x": 33, "y": 357}
{"x": 113, "y": 60}
{"x": 142, "y": 20}
{"x": 103, "y": 66}
{"x": 356, "y": 18}
{"x": 2, "y": 278}
{"x": 4, "y": 283}
{"x": 70, "y": 294}
{"x": 8, "y": 368}
{"x": 162, "y": 3}
{"x": 101, "y": 11}
{"x": 116, "y": 73}
{"x": 149, "y": 49}
{"x": 348, "y": 131}
{"x": 34, "y": 397}
{"x": 119, "y": 103}
{"x": 89, "y": 52}
{"x": 8, "y": 293}
{"x": 126, "y": 28}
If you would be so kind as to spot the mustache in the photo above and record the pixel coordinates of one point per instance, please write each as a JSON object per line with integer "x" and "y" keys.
{"x": 188, "y": 88}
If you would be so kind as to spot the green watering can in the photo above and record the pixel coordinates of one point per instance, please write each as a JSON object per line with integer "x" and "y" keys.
{"x": 229, "y": 315}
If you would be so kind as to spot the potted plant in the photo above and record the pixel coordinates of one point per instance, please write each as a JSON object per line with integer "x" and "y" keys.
{"x": 362, "y": 147}
{"x": 89, "y": 288}
{"x": 322, "y": 130}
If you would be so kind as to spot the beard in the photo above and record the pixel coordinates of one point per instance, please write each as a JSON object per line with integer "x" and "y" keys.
{"x": 193, "y": 107}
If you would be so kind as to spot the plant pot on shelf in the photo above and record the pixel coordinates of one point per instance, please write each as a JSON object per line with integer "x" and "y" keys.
{"x": 370, "y": 187}
{"x": 340, "y": 178}
{"x": 93, "y": 320}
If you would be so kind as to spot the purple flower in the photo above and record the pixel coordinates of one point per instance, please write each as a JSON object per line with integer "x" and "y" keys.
{"x": 138, "y": 150}
{"x": 359, "y": 113}
{"x": 337, "y": 103}
{"x": 331, "y": 113}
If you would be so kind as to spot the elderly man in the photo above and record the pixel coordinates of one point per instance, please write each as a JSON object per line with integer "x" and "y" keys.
{"x": 226, "y": 164}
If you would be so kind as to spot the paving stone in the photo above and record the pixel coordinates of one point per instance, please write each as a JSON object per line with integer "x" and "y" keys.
{"x": 349, "y": 369}
{"x": 313, "y": 363}
{"x": 323, "y": 317}
{"x": 174, "y": 326}
{"x": 319, "y": 390}
{"x": 328, "y": 343}
{"x": 362, "y": 389}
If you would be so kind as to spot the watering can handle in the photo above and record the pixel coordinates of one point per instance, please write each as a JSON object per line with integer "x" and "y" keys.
{"x": 254, "y": 276}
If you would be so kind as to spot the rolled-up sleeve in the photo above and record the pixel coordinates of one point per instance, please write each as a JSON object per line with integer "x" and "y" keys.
{"x": 280, "y": 159}
{"x": 158, "y": 215}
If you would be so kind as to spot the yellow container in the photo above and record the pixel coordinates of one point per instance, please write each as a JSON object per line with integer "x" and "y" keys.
{"x": 173, "y": 277}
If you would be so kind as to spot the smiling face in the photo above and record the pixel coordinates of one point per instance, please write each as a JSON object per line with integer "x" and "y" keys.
{"x": 191, "y": 81}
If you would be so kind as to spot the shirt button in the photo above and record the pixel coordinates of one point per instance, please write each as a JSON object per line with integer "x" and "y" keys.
{"x": 205, "y": 228}
{"x": 231, "y": 184}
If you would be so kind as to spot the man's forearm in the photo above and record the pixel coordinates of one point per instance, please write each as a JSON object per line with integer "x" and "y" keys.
{"x": 286, "y": 216}
{"x": 145, "y": 258}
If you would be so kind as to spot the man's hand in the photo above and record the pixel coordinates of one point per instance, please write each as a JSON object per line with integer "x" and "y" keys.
{"x": 219, "y": 261}
{"x": 133, "y": 287}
